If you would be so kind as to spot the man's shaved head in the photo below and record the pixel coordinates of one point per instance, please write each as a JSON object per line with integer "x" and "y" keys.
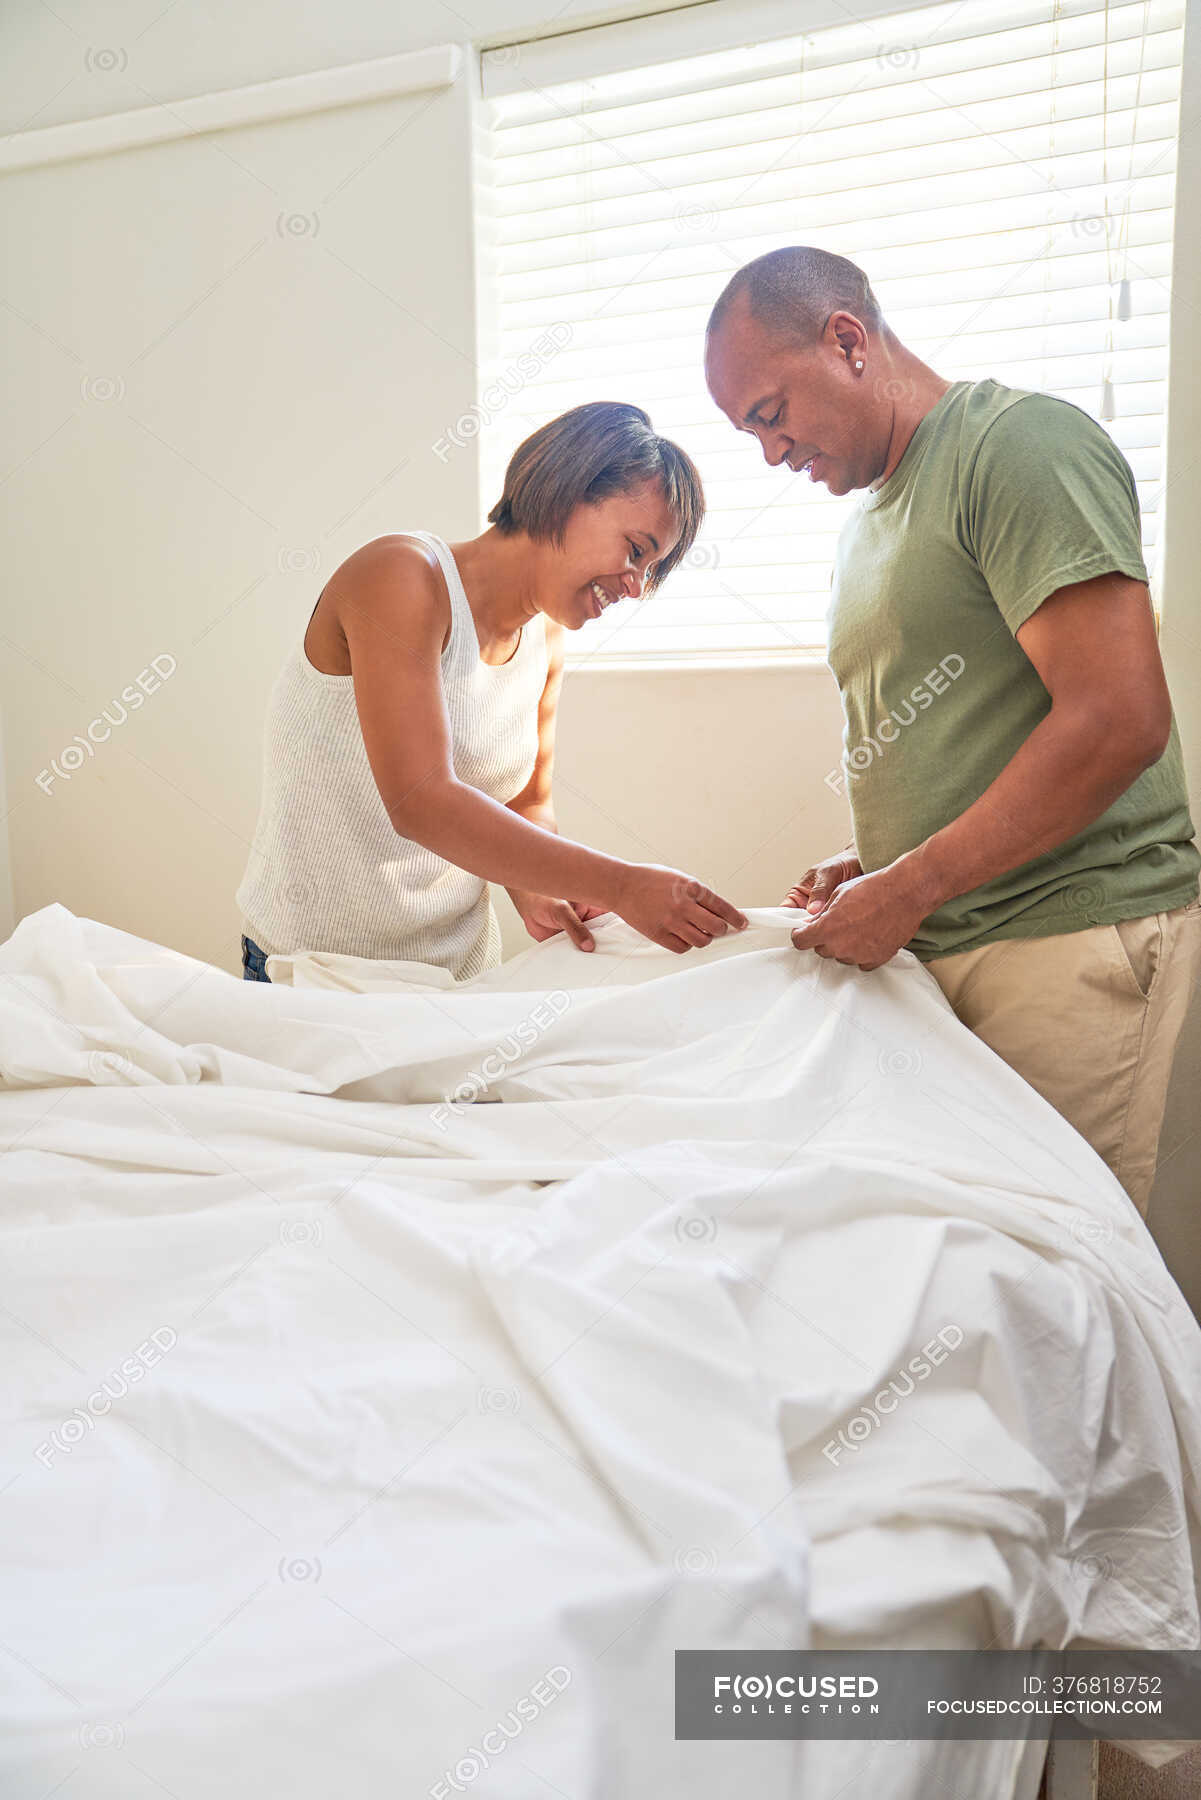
{"x": 792, "y": 292}
{"x": 798, "y": 353}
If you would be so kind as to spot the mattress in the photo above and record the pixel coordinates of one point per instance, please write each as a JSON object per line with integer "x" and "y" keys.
{"x": 404, "y": 1371}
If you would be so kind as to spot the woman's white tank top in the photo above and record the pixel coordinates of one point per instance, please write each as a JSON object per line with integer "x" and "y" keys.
{"x": 328, "y": 870}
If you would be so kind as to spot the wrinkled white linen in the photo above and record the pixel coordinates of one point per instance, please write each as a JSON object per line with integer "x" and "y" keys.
{"x": 456, "y": 1393}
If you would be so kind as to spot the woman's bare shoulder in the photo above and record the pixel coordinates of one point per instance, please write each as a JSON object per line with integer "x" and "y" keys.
{"x": 396, "y": 579}
{"x": 398, "y": 556}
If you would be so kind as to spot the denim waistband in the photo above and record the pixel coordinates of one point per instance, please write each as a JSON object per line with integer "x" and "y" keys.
{"x": 254, "y": 962}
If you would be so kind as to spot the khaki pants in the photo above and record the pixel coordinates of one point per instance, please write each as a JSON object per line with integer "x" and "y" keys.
{"x": 1089, "y": 1018}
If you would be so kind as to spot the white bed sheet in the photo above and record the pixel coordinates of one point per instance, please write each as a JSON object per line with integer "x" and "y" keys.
{"x": 447, "y": 1395}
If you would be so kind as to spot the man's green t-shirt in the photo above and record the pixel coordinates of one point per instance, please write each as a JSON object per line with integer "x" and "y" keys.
{"x": 1001, "y": 497}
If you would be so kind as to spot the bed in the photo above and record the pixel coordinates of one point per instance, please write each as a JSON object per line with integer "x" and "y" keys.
{"x": 403, "y": 1371}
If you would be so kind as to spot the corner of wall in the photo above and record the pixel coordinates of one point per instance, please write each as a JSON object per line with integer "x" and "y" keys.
{"x": 8, "y": 918}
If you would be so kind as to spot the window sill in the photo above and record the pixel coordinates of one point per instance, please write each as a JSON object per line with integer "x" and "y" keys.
{"x": 716, "y": 662}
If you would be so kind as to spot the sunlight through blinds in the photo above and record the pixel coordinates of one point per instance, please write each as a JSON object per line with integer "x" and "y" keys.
{"x": 1003, "y": 172}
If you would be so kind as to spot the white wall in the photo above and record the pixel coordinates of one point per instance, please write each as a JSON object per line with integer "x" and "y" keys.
{"x": 209, "y": 409}
{"x": 8, "y": 915}
{"x": 230, "y": 360}
{"x": 716, "y": 773}
{"x": 1175, "y": 1214}
{"x": 227, "y": 359}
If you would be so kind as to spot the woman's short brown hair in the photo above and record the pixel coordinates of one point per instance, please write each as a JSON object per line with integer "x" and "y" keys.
{"x": 584, "y": 456}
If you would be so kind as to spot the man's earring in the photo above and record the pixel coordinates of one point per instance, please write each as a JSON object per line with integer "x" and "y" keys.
{"x": 858, "y": 365}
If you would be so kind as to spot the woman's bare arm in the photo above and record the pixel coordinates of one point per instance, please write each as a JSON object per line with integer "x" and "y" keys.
{"x": 394, "y": 612}
{"x": 535, "y": 802}
{"x": 395, "y": 627}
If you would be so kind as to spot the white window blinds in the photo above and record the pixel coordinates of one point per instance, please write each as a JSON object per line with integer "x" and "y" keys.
{"x": 1003, "y": 172}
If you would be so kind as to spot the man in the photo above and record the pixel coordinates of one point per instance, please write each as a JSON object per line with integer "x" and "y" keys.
{"x": 1013, "y": 766}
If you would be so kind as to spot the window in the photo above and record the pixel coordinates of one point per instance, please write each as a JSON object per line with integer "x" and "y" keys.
{"x": 1003, "y": 172}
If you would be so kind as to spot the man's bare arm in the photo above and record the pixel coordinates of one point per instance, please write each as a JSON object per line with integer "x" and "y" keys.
{"x": 1095, "y": 649}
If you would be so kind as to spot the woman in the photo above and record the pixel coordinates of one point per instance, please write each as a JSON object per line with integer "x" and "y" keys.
{"x": 410, "y": 736}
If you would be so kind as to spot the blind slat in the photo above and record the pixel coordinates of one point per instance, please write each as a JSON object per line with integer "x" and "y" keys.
{"x": 998, "y": 169}
{"x": 583, "y": 142}
{"x": 1068, "y": 275}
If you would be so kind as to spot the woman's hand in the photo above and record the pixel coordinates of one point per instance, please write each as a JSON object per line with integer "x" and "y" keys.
{"x": 544, "y": 917}
{"x": 672, "y": 908}
{"x": 818, "y": 885}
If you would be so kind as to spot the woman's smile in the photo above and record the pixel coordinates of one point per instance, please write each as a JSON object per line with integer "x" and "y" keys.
{"x": 401, "y": 631}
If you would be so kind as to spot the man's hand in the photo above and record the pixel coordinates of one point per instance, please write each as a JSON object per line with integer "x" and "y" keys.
{"x": 543, "y": 917}
{"x": 870, "y": 917}
{"x": 818, "y": 885}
